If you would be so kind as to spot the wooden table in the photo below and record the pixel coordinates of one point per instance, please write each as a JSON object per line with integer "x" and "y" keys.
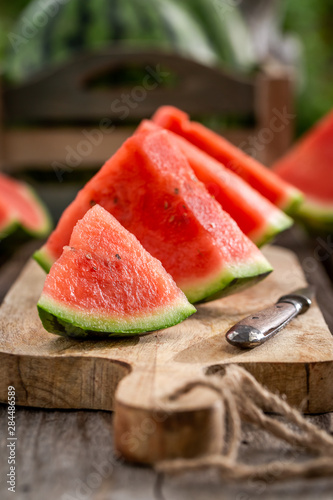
{"x": 67, "y": 455}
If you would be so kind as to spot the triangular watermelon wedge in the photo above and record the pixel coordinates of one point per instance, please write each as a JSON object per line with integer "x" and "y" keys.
{"x": 308, "y": 165}
{"x": 283, "y": 195}
{"x": 22, "y": 208}
{"x": 150, "y": 188}
{"x": 256, "y": 216}
{"x": 106, "y": 284}
{"x": 8, "y": 221}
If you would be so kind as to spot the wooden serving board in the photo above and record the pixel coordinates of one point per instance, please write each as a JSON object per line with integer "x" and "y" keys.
{"x": 136, "y": 376}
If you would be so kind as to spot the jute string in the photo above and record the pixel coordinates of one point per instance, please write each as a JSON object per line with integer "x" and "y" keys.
{"x": 245, "y": 400}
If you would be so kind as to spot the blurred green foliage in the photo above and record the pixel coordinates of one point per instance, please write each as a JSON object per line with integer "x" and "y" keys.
{"x": 310, "y": 20}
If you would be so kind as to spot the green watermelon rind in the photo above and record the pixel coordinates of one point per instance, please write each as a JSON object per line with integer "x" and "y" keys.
{"x": 9, "y": 228}
{"x": 14, "y": 224}
{"x": 228, "y": 282}
{"x": 46, "y": 223}
{"x": 64, "y": 321}
{"x": 316, "y": 216}
{"x": 44, "y": 259}
{"x": 279, "y": 222}
{"x": 295, "y": 200}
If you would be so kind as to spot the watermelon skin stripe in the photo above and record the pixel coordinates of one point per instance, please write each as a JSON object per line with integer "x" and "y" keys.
{"x": 169, "y": 31}
{"x": 99, "y": 30}
{"x": 84, "y": 18}
{"x": 46, "y": 39}
{"x": 116, "y": 22}
{"x": 143, "y": 16}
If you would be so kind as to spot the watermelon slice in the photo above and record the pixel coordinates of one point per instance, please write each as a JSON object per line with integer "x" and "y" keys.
{"x": 259, "y": 219}
{"x": 150, "y": 188}
{"x": 8, "y": 222}
{"x": 21, "y": 208}
{"x": 259, "y": 177}
{"x": 309, "y": 167}
{"x": 105, "y": 284}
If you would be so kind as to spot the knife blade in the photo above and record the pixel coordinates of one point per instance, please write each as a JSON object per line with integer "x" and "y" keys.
{"x": 257, "y": 328}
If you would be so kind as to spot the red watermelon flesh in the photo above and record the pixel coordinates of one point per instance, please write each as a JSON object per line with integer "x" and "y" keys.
{"x": 150, "y": 188}
{"x": 106, "y": 284}
{"x": 257, "y": 217}
{"x": 309, "y": 167}
{"x": 279, "y": 192}
{"x": 24, "y": 206}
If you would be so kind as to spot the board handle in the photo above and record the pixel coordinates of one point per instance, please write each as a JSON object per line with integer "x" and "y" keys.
{"x": 151, "y": 426}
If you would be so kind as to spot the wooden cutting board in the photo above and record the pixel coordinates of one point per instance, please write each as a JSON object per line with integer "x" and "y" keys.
{"x": 135, "y": 377}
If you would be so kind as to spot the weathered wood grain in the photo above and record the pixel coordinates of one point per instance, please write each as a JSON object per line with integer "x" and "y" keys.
{"x": 70, "y": 455}
{"x": 65, "y": 93}
{"x": 10, "y": 269}
{"x": 50, "y": 371}
{"x": 52, "y": 144}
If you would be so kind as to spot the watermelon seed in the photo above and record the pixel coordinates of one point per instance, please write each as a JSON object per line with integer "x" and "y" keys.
{"x": 88, "y": 256}
{"x": 172, "y": 218}
{"x": 176, "y": 191}
{"x": 95, "y": 268}
{"x": 166, "y": 204}
{"x": 117, "y": 256}
{"x": 92, "y": 203}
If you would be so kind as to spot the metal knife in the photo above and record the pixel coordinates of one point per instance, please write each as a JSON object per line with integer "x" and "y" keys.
{"x": 255, "y": 329}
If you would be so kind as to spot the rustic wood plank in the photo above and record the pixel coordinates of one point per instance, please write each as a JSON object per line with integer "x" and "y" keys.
{"x": 11, "y": 268}
{"x": 204, "y": 486}
{"x": 63, "y": 94}
{"x": 69, "y": 455}
{"x": 62, "y": 145}
{"x": 65, "y": 146}
{"x": 275, "y": 113}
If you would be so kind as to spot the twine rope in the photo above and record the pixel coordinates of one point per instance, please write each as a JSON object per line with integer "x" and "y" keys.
{"x": 246, "y": 400}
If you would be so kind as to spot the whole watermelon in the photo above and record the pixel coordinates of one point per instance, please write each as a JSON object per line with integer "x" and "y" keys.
{"x": 49, "y": 32}
{"x": 227, "y": 31}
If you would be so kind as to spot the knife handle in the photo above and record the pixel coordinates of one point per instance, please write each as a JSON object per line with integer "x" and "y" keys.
{"x": 261, "y": 326}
